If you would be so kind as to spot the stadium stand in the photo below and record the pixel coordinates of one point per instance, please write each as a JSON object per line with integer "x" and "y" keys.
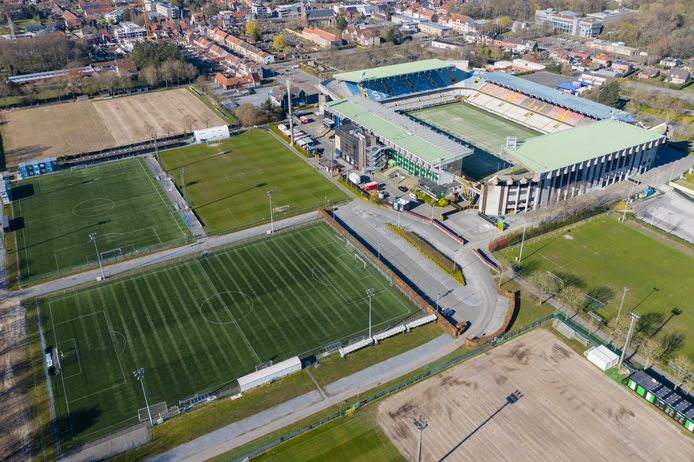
{"x": 421, "y": 321}
{"x": 390, "y": 333}
{"x": 344, "y": 351}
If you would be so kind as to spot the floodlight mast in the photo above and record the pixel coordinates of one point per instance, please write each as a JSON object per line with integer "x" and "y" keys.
{"x": 421, "y": 424}
{"x": 92, "y": 236}
{"x": 369, "y": 293}
{"x": 272, "y": 218}
{"x": 140, "y": 377}
{"x": 634, "y": 317}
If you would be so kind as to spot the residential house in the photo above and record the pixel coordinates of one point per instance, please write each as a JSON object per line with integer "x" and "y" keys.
{"x": 670, "y": 63}
{"x": 648, "y": 73}
{"x": 621, "y": 67}
{"x": 678, "y": 76}
{"x": 302, "y": 95}
{"x": 602, "y": 60}
{"x": 236, "y": 82}
{"x": 362, "y": 37}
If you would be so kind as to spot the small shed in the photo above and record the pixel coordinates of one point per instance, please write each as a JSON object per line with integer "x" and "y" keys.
{"x": 269, "y": 374}
{"x": 602, "y": 357}
{"x": 212, "y": 134}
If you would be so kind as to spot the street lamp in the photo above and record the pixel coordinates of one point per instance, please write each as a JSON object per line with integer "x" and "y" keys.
{"x": 369, "y": 293}
{"x": 92, "y": 236}
{"x": 420, "y": 423}
{"x": 437, "y": 301}
{"x": 272, "y": 219}
{"x": 140, "y": 377}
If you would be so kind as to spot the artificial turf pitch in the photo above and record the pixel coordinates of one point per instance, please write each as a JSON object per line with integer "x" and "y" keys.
{"x": 604, "y": 256}
{"x": 198, "y": 325}
{"x": 227, "y": 182}
{"x": 119, "y": 201}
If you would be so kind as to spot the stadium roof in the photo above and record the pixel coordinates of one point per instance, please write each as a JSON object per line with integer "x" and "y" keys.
{"x": 577, "y": 103}
{"x": 561, "y": 149}
{"x": 432, "y": 149}
{"x": 392, "y": 71}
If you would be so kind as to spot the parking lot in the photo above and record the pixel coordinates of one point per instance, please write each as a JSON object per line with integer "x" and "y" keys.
{"x": 670, "y": 211}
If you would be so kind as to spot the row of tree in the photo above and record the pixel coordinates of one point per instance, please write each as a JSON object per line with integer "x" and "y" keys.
{"x": 645, "y": 338}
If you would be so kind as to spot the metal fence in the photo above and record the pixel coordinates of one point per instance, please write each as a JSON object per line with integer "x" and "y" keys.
{"x": 394, "y": 388}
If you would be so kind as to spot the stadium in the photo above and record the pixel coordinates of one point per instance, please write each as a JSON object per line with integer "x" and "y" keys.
{"x": 510, "y": 144}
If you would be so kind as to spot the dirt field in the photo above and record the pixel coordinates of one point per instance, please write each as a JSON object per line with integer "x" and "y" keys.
{"x": 72, "y": 128}
{"x": 568, "y": 411}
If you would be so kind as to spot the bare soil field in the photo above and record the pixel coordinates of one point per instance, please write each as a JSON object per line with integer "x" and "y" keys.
{"x": 73, "y": 128}
{"x": 568, "y": 410}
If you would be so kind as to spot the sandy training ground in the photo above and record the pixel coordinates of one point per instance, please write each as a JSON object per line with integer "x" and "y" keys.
{"x": 568, "y": 411}
{"x": 73, "y": 128}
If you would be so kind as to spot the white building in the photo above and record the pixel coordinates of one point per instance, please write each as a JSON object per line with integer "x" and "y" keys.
{"x": 568, "y": 22}
{"x": 209, "y": 135}
{"x": 167, "y": 10}
{"x": 129, "y": 32}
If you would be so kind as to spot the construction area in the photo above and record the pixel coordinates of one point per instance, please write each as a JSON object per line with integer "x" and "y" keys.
{"x": 530, "y": 399}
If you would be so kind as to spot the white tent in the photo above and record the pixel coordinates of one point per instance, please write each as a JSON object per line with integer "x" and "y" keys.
{"x": 602, "y": 357}
{"x": 209, "y": 135}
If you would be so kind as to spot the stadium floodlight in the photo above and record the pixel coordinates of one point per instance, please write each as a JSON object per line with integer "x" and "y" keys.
{"x": 370, "y": 293}
{"x": 182, "y": 171}
{"x": 421, "y": 424}
{"x": 634, "y": 317}
{"x": 624, "y": 294}
{"x": 92, "y": 236}
{"x": 140, "y": 377}
{"x": 520, "y": 254}
{"x": 272, "y": 219}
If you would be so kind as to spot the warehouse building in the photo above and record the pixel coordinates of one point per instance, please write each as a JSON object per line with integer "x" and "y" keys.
{"x": 569, "y": 163}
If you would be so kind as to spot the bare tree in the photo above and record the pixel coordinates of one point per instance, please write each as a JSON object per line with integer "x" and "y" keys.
{"x": 651, "y": 349}
{"x": 188, "y": 123}
{"x": 683, "y": 370}
{"x": 547, "y": 285}
{"x": 573, "y": 298}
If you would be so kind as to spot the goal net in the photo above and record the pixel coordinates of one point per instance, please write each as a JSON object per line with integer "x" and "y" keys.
{"x": 158, "y": 410}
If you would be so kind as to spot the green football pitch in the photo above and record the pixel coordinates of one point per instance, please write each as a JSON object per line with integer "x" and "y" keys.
{"x": 227, "y": 183}
{"x": 605, "y": 256}
{"x": 484, "y": 131}
{"x": 356, "y": 438}
{"x": 119, "y": 201}
{"x": 198, "y": 325}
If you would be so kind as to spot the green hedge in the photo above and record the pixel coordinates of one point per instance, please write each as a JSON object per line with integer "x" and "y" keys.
{"x": 429, "y": 251}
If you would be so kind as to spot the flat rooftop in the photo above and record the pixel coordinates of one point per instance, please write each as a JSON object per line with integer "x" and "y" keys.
{"x": 557, "y": 150}
{"x": 393, "y": 71}
{"x": 401, "y": 131}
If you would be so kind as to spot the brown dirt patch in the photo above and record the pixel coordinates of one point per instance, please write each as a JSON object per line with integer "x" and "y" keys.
{"x": 569, "y": 411}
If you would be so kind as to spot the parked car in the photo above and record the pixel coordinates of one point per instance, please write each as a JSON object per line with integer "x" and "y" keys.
{"x": 402, "y": 188}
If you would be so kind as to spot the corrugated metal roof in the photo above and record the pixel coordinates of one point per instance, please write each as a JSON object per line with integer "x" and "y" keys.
{"x": 392, "y": 71}
{"x": 576, "y": 103}
{"x": 556, "y": 150}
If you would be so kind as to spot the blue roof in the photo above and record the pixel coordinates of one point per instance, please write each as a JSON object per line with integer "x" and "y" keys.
{"x": 575, "y": 103}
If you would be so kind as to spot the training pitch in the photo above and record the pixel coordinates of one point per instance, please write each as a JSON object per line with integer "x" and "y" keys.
{"x": 569, "y": 411}
{"x": 228, "y": 182}
{"x": 198, "y": 325}
{"x": 119, "y": 201}
{"x": 484, "y": 131}
{"x": 603, "y": 256}
{"x": 84, "y": 126}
